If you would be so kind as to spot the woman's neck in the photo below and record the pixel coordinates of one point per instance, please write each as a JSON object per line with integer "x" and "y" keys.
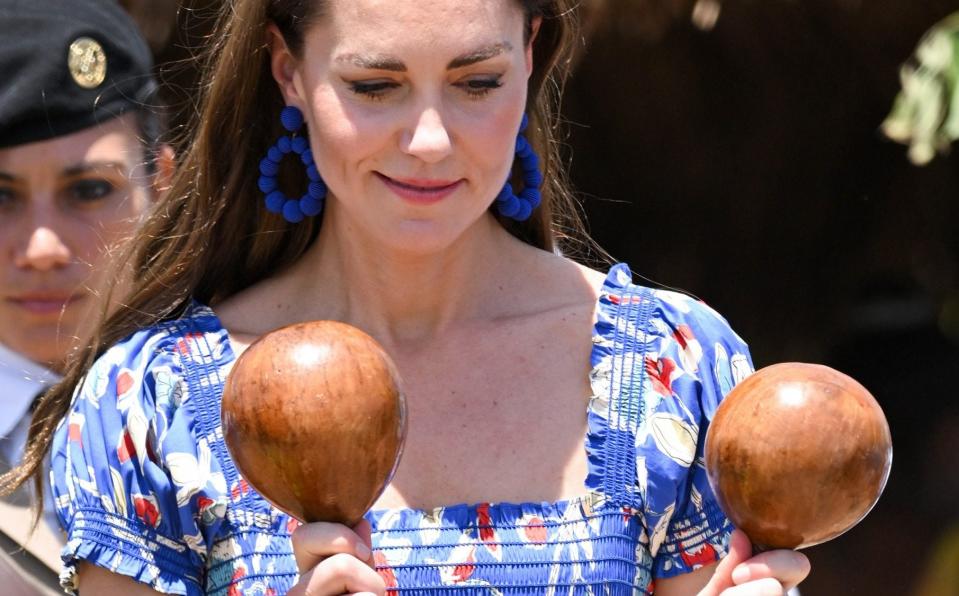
{"x": 405, "y": 298}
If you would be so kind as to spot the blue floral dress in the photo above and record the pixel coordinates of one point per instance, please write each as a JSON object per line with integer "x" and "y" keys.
{"x": 145, "y": 487}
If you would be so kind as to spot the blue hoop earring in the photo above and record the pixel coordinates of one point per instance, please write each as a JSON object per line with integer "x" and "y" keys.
{"x": 311, "y": 203}
{"x": 520, "y": 207}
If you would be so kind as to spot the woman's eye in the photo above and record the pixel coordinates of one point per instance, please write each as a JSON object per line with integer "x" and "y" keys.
{"x": 480, "y": 87}
{"x": 374, "y": 89}
{"x": 7, "y": 197}
{"x": 90, "y": 190}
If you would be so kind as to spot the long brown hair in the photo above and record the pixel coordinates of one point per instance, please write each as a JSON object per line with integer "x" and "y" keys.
{"x": 209, "y": 238}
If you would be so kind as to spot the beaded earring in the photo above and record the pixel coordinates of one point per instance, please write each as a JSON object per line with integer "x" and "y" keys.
{"x": 519, "y": 207}
{"x": 311, "y": 203}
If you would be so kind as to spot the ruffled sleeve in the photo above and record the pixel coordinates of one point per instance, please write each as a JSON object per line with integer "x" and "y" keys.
{"x": 693, "y": 359}
{"x": 136, "y": 489}
{"x": 661, "y": 364}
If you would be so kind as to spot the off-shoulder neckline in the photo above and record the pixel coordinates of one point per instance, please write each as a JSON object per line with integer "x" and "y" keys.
{"x": 617, "y": 279}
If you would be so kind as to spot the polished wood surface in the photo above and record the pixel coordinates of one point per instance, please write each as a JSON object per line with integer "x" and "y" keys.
{"x": 315, "y": 419}
{"x": 797, "y": 454}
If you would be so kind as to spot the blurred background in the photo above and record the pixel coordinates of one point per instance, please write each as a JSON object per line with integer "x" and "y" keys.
{"x": 733, "y": 149}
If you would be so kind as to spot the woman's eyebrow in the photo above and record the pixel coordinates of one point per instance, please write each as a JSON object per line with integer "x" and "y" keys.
{"x": 5, "y": 177}
{"x": 384, "y": 62}
{"x": 91, "y": 166}
{"x": 373, "y": 62}
{"x": 479, "y": 54}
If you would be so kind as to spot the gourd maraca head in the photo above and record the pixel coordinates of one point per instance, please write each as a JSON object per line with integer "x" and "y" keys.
{"x": 797, "y": 454}
{"x": 314, "y": 418}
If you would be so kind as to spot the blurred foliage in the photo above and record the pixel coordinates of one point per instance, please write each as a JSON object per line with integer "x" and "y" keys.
{"x": 925, "y": 114}
{"x": 941, "y": 577}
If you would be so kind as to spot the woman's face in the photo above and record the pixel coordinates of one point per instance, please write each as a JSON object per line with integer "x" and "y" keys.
{"x": 413, "y": 108}
{"x": 62, "y": 203}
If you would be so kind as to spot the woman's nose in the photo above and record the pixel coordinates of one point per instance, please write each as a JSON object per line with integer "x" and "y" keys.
{"x": 429, "y": 139}
{"x": 45, "y": 250}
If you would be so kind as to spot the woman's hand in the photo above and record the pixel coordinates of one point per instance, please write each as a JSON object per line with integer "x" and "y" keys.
{"x": 334, "y": 560}
{"x": 772, "y": 573}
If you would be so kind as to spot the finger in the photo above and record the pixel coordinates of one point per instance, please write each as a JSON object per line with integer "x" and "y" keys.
{"x": 365, "y": 532}
{"x": 740, "y": 549}
{"x": 316, "y": 541}
{"x": 762, "y": 587}
{"x": 787, "y": 566}
{"x": 337, "y": 575}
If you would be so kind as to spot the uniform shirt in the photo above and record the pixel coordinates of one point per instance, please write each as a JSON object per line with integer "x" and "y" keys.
{"x": 34, "y": 570}
{"x": 22, "y": 380}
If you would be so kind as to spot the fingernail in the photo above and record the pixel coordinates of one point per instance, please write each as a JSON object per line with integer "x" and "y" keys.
{"x": 740, "y": 574}
{"x": 363, "y": 552}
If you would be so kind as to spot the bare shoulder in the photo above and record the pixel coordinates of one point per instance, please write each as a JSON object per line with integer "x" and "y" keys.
{"x": 560, "y": 281}
{"x": 252, "y": 311}
{"x": 249, "y": 314}
{"x": 593, "y": 277}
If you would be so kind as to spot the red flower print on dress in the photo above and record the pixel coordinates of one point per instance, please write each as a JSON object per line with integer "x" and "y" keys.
{"x": 184, "y": 344}
{"x": 487, "y": 532}
{"x": 124, "y": 382}
{"x": 704, "y": 554}
{"x": 75, "y": 428}
{"x": 690, "y": 351}
{"x": 683, "y": 335}
{"x": 239, "y": 489}
{"x": 292, "y": 524}
{"x": 382, "y": 567}
{"x": 147, "y": 510}
{"x": 464, "y": 571}
{"x": 617, "y": 299}
{"x": 209, "y": 509}
{"x": 460, "y": 565}
{"x": 234, "y": 589}
{"x": 533, "y": 531}
{"x": 661, "y": 373}
{"x": 128, "y": 389}
{"x": 151, "y": 453}
{"x": 126, "y": 450}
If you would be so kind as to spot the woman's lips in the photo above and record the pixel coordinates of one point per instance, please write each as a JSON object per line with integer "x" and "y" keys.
{"x": 43, "y": 305}
{"x": 420, "y": 191}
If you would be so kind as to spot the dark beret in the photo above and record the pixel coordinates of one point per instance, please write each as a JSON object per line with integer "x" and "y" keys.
{"x": 67, "y": 65}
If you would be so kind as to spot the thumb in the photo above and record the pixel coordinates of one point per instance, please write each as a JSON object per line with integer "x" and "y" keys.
{"x": 365, "y": 532}
{"x": 740, "y": 549}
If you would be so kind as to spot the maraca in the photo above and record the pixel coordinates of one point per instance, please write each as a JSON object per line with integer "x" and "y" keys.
{"x": 797, "y": 454}
{"x": 314, "y": 417}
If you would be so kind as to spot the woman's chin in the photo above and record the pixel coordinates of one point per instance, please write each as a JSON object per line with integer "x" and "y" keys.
{"x": 422, "y": 237}
{"x": 44, "y": 345}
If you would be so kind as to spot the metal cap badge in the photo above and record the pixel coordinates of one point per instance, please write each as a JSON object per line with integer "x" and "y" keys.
{"x": 87, "y": 62}
{"x": 68, "y": 65}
